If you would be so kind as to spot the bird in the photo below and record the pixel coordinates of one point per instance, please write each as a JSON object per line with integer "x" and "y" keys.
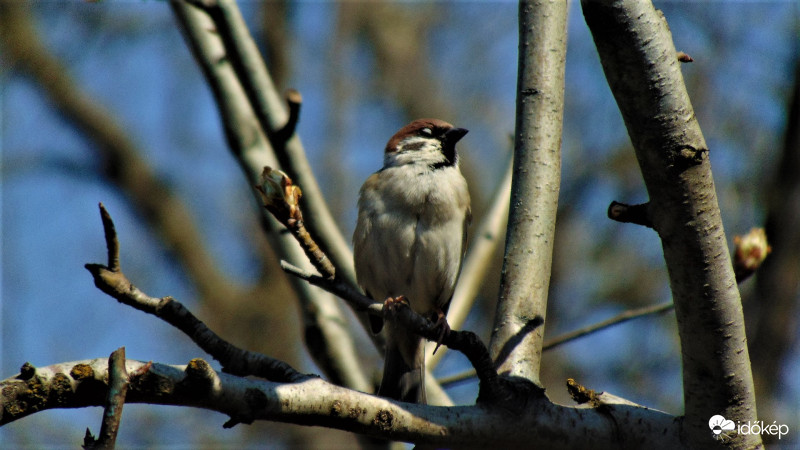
{"x": 409, "y": 242}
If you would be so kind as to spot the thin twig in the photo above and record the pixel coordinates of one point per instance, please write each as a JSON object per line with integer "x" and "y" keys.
{"x": 337, "y": 286}
{"x": 619, "y": 318}
{"x": 112, "y": 244}
{"x": 573, "y": 335}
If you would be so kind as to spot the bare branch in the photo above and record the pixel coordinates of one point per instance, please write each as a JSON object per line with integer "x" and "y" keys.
{"x": 270, "y": 111}
{"x": 233, "y": 359}
{"x": 112, "y": 244}
{"x": 616, "y": 320}
{"x": 328, "y": 336}
{"x": 639, "y": 62}
{"x": 314, "y": 401}
{"x": 357, "y": 300}
{"x": 294, "y": 100}
{"x": 579, "y": 333}
{"x": 518, "y": 333}
{"x": 467, "y": 342}
{"x": 112, "y": 414}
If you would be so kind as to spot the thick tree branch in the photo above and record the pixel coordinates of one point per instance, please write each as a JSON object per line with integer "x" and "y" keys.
{"x": 516, "y": 343}
{"x": 638, "y": 58}
{"x": 314, "y": 401}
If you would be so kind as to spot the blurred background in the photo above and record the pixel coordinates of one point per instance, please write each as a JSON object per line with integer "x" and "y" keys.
{"x": 364, "y": 70}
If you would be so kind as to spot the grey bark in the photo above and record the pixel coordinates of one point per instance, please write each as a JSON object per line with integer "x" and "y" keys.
{"x": 640, "y": 63}
{"x": 516, "y": 344}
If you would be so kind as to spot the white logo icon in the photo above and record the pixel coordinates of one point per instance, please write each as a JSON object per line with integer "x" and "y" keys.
{"x": 718, "y": 424}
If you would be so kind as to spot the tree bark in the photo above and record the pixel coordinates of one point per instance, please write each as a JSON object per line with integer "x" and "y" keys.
{"x": 642, "y": 68}
{"x": 516, "y": 344}
{"x": 318, "y": 402}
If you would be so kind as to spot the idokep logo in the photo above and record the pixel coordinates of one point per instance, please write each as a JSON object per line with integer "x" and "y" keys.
{"x": 720, "y": 426}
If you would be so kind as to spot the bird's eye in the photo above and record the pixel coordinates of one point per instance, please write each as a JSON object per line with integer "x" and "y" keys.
{"x": 426, "y": 132}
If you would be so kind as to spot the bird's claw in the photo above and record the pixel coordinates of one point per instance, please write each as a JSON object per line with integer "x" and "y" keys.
{"x": 441, "y": 323}
{"x": 391, "y": 304}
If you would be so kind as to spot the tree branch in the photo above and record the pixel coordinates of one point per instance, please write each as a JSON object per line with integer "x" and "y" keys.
{"x": 270, "y": 110}
{"x": 328, "y": 337}
{"x": 314, "y": 401}
{"x": 638, "y": 58}
{"x": 616, "y": 320}
{"x": 516, "y": 343}
{"x": 637, "y": 214}
{"x": 492, "y": 388}
{"x": 112, "y": 414}
{"x": 579, "y": 333}
{"x": 113, "y": 282}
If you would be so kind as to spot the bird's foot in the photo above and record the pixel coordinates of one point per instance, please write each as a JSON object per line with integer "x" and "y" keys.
{"x": 392, "y": 304}
{"x": 444, "y": 328}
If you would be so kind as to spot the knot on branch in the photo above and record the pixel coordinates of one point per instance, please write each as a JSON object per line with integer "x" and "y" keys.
{"x": 581, "y": 394}
{"x": 294, "y": 100}
{"x": 686, "y": 157}
{"x": 638, "y": 214}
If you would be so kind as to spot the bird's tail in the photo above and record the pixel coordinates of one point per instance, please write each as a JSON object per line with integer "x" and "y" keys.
{"x": 404, "y": 367}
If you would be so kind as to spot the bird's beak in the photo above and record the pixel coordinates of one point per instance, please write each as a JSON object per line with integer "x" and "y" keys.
{"x": 454, "y": 135}
{"x": 449, "y": 140}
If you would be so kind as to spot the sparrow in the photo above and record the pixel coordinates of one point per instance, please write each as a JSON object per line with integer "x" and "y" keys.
{"x": 409, "y": 241}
